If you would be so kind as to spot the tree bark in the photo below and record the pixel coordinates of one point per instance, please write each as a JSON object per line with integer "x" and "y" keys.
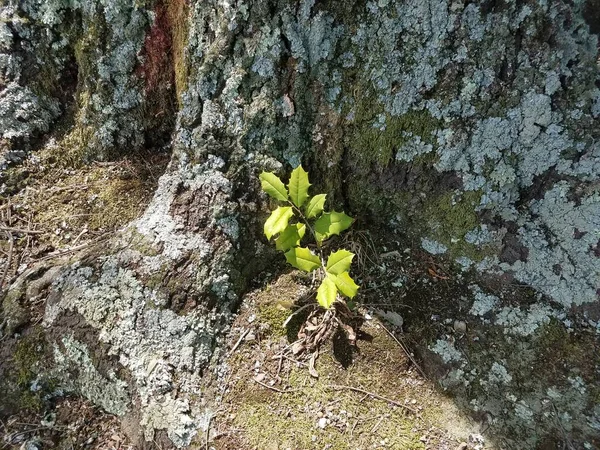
{"x": 471, "y": 128}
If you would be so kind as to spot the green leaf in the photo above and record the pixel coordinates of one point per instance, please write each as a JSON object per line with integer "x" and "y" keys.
{"x": 299, "y": 186}
{"x": 327, "y": 293}
{"x": 331, "y": 223}
{"x": 339, "y": 262}
{"x": 273, "y": 186}
{"x": 290, "y": 237}
{"x": 315, "y": 206}
{"x": 303, "y": 259}
{"x": 345, "y": 284}
{"x": 278, "y": 221}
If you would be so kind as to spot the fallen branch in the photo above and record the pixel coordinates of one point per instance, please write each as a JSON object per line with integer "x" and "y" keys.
{"x": 281, "y": 355}
{"x": 60, "y": 253}
{"x": 340, "y": 387}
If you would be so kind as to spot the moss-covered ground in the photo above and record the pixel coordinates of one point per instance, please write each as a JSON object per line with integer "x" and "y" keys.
{"x": 68, "y": 203}
{"x": 273, "y": 402}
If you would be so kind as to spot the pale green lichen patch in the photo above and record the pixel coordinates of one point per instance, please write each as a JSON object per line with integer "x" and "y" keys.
{"x": 78, "y": 373}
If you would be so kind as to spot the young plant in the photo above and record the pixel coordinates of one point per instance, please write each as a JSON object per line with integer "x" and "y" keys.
{"x": 288, "y": 225}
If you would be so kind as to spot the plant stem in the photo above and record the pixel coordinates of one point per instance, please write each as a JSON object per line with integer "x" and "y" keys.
{"x": 312, "y": 231}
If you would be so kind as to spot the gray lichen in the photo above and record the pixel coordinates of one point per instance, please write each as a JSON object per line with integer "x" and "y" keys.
{"x": 483, "y": 303}
{"x": 24, "y": 114}
{"x": 108, "y": 392}
{"x": 433, "y": 247}
{"x": 447, "y": 351}
{"x": 110, "y": 99}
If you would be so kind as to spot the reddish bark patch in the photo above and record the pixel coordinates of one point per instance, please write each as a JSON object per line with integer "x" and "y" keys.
{"x": 157, "y": 68}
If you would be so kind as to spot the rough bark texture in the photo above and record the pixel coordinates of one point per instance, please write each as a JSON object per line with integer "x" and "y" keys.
{"x": 471, "y": 127}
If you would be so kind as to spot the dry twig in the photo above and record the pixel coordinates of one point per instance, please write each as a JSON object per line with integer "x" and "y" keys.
{"x": 287, "y": 391}
{"x": 20, "y": 230}
{"x": 403, "y": 347}
{"x": 239, "y": 341}
{"x": 340, "y": 387}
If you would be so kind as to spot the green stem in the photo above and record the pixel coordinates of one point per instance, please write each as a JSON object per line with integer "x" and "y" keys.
{"x": 312, "y": 231}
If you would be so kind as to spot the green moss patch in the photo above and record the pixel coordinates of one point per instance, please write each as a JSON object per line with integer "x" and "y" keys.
{"x": 71, "y": 203}
{"x": 449, "y": 217}
{"x": 376, "y": 136}
{"x": 275, "y": 403}
{"x": 559, "y": 351}
{"x": 274, "y": 305}
{"x": 24, "y": 367}
{"x": 316, "y": 413}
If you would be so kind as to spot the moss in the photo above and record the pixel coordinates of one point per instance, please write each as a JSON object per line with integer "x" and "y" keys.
{"x": 13, "y": 314}
{"x": 366, "y": 150}
{"x": 27, "y": 361}
{"x": 85, "y": 49}
{"x": 97, "y": 198}
{"x": 178, "y": 12}
{"x": 290, "y": 420}
{"x": 449, "y": 217}
{"x": 27, "y": 355}
{"x": 559, "y": 351}
{"x": 71, "y": 150}
{"x": 119, "y": 199}
{"x": 155, "y": 280}
{"x": 382, "y": 205}
{"x": 142, "y": 244}
{"x": 274, "y": 306}
{"x": 379, "y": 144}
{"x": 273, "y": 315}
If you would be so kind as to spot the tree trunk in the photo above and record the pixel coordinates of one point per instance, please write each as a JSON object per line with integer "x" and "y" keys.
{"x": 472, "y": 129}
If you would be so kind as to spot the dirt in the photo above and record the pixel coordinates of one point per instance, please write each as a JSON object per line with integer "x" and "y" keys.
{"x": 73, "y": 423}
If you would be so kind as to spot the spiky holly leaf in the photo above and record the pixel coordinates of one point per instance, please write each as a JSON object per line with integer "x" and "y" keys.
{"x": 345, "y": 284}
{"x": 339, "y": 262}
{"x": 278, "y": 221}
{"x": 327, "y": 293}
{"x": 290, "y": 237}
{"x": 273, "y": 186}
{"x": 315, "y": 206}
{"x": 298, "y": 186}
{"x": 303, "y": 259}
{"x": 331, "y": 223}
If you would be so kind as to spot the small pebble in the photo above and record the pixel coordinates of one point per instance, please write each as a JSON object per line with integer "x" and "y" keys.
{"x": 460, "y": 326}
